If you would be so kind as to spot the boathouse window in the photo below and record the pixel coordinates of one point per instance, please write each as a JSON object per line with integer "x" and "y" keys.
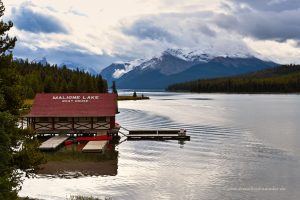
{"x": 43, "y": 119}
{"x": 86, "y": 119}
{"x": 100, "y": 119}
{"x": 82, "y": 119}
{"x": 63, "y": 119}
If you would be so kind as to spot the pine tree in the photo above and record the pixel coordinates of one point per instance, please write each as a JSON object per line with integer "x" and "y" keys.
{"x": 134, "y": 94}
{"x": 10, "y": 103}
{"x": 7, "y": 43}
{"x": 114, "y": 88}
{"x": 8, "y": 109}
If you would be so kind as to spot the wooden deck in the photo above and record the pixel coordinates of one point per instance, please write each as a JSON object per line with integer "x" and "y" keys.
{"x": 156, "y": 135}
{"x": 94, "y": 146}
{"x": 53, "y": 143}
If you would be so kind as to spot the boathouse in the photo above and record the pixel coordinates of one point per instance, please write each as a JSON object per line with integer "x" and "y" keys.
{"x": 73, "y": 113}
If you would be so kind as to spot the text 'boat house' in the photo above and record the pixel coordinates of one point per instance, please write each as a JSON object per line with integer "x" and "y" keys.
{"x": 73, "y": 113}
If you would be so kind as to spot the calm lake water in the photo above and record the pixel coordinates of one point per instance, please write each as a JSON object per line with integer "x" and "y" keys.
{"x": 242, "y": 147}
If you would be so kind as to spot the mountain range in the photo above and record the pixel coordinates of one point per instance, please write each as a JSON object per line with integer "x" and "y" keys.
{"x": 173, "y": 66}
{"x": 74, "y": 66}
{"x": 69, "y": 64}
{"x": 177, "y": 65}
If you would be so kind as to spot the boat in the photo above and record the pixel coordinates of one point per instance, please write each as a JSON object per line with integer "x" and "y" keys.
{"x": 95, "y": 138}
{"x": 68, "y": 142}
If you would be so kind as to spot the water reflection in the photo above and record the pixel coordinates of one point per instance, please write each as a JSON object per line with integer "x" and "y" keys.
{"x": 224, "y": 159}
{"x": 71, "y": 162}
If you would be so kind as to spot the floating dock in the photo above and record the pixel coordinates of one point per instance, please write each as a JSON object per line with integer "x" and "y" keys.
{"x": 53, "y": 143}
{"x": 94, "y": 146}
{"x": 179, "y": 134}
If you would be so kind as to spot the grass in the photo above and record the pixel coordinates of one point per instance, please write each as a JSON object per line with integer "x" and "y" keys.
{"x": 28, "y": 102}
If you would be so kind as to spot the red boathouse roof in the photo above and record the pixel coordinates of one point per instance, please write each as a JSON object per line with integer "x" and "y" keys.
{"x": 74, "y": 105}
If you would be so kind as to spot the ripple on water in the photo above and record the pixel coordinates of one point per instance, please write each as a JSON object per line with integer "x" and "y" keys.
{"x": 217, "y": 158}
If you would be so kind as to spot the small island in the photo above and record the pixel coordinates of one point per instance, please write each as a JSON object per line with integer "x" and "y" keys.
{"x": 133, "y": 97}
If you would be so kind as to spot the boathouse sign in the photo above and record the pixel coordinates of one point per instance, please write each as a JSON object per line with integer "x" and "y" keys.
{"x": 76, "y": 99}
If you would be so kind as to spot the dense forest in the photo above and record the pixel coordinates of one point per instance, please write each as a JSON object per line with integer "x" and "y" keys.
{"x": 282, "y": 79}
{"x": 37, "y": 78}
{"x": 18, "y": 147}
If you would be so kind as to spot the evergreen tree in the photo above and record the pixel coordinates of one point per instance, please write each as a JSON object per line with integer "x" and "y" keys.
{"x": 10, "y": 136}
{"x": 114, "y": 88}
{"x": 7, "y": 43}
{"x": 37, "y": 78}
{"x": 8, "y": 110}
{"x": 134, "y": 94}
{"x": 281, "y": 79}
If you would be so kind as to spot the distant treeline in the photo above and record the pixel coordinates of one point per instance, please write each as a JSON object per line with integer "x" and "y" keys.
{"x": 37, "y": 78}
{"x": 282, "y": 79}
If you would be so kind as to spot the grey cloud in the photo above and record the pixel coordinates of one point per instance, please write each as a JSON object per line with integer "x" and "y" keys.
{"x": 226, "y": 21}
{"x": 146, "y": 29}
{"x": 207, "y": 31}
{"x": 68, "y": 52}
{"x": 173, "y": 28}
{"x": 76, "y": 12}
{"x": 196, "y": 30}
{"x": 263, "y": 25}
{"x": 271, "y": 5}
{"x": 26, "y": 19}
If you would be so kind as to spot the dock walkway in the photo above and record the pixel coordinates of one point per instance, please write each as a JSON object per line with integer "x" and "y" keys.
{"x": 53, "y": 143}
{"x": 157, "y": 135}
{"x": 94, "y": 146}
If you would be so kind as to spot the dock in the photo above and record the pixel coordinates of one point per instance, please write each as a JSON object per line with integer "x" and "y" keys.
{"x": 179, "y": 134}
{"x": 94, "y": 146}
{"x": 53, "y": 143}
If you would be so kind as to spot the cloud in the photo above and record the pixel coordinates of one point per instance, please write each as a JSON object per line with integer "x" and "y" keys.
{"x": 152, "y": 34}
{"x": 26, "y": 19}
{"x": 76, "y": 12}
{"x": 262, "y": 24}
{"x": 128, "y": 67}
{"x": 139, "y": 29}
{"x": 207, "y": 31}
{"x": 147, "y": 29}
{"x": 66, "y": 53}
{"x": 270, "y": 5}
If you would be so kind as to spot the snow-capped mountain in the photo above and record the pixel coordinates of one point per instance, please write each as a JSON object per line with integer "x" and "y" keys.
{"x": 127, "y": 67}
{"x": 177, "y": 65}
{"x": 169, "y": 62}
{"x": 43, "y": 61}
{"x": 74, "y": 66}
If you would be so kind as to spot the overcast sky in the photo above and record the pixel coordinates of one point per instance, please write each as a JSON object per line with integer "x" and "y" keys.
{"x": 97, "y": 32}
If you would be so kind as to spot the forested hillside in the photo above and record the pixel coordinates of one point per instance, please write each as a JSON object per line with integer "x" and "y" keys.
{"x": 282, "y": 79}
{"x": 37, "y": 78}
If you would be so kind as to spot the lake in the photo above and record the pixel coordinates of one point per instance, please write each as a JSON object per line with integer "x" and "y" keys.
{"x": 241, "y": 147}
